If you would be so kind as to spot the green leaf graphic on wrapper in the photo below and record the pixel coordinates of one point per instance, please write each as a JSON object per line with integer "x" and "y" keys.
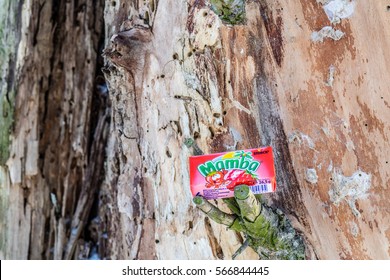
{"x": 211, "y": 173}
{"x": 244, "y": 154}
{"x": 254, "y": 175}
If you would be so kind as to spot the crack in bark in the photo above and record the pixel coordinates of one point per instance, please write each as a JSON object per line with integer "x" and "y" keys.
{"x": 40, "y": 8}
{"x": 216, "y": 249}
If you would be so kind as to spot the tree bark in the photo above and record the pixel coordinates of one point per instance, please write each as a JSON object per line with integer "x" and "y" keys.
{"x": 54, "y": 160}
{"x": 263, "y": 82}
{"x": 186, "y": 77}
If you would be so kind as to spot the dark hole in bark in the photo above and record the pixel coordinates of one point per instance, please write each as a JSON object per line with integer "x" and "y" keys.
{"x": 211, "y": 132}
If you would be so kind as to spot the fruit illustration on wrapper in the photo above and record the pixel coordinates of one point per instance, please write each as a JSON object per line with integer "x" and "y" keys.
{"x": 215, "y": 179}
{"x": 230, "y": 179}
{"x": 243, "y": 178}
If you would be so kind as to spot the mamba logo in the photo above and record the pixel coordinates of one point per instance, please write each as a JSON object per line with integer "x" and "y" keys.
{"x": 233, "y": 160}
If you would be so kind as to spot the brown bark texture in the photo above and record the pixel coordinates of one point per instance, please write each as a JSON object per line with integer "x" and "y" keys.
{"x": 55, "y": 156}
{"x": 96, "y": 167}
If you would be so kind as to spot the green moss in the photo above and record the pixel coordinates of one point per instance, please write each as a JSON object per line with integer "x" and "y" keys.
{"x": 232, "y": 204}
{"x": 9, "y": 38}
{"x": 247, "y": 202}
{"x": 270, "y": 235}
{"x": 6, "y": 121}
{"x": 8, "y": 10}
{"x": 229, "y": 11}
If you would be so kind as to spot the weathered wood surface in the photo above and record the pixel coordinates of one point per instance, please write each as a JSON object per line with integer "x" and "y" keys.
{"x": 179, "y": 73}
{"x": 49, "y": 181}
{"x": 322, "y": 105}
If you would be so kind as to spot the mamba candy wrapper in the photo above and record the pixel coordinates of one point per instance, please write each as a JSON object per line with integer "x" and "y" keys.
{"x": 215, "y": 175}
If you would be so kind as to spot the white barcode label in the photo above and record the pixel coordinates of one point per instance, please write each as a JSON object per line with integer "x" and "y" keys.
{"x": 262, "y": 188}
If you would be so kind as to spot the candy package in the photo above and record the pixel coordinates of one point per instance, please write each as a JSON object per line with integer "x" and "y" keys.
{"x": 215, "y": 175}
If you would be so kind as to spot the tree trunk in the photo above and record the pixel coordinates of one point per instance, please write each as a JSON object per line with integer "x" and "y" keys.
{"x": 54, "y": 160}
{"x": 305, "y": 77}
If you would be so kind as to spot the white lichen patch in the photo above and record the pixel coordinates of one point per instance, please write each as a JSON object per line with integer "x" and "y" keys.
{"x": 206, "y": 26}
{"x": 338, "y": 9}
{"x": 354, "y": 229}
{"x": 236, "y": 135}
{"x": 350, "y": 188}
{"x": 350, "y": 145}
{"x": 330, "y": 166}
{"x": 326, "y": 32}
{"x": 325, "y": 130}
{"x": 191, "y": 80}
{"x": 311, "y": 175}
{"x": 301, "y": 138}
{"x": 330, "y": 80}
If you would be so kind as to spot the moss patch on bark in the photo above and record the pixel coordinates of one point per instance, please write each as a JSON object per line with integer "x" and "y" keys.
{"x": 8, "y": 47}
{"x": 229, "y": 11}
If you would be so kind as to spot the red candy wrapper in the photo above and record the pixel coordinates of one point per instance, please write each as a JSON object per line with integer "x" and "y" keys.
{"x": 215, "y": 175}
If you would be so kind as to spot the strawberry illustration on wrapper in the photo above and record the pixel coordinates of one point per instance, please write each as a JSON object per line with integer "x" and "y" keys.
{"x": 215, "y": 179}
{"x": 243, "y": 179}
{"x": 216, "y": 175}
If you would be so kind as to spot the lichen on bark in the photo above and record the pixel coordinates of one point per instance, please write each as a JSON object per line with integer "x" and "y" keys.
{"x": 6, "y": 121}
{"x": 268, "y": 231}
{"x": 8, "y": 47}
{"x": 229, "y": 11}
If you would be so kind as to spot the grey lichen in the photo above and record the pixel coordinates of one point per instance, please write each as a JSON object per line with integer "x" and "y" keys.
{"x": 350, "y": 188}
{"x": 326, "y": 32}
{"x": 354, "y": 229}
{"x": 229, "y": 11}
{"x": 311, "y": 175}
{"x": 338, "y": 9}
{"x": 301, "y": 138}
{"x": 330, "y": 80}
